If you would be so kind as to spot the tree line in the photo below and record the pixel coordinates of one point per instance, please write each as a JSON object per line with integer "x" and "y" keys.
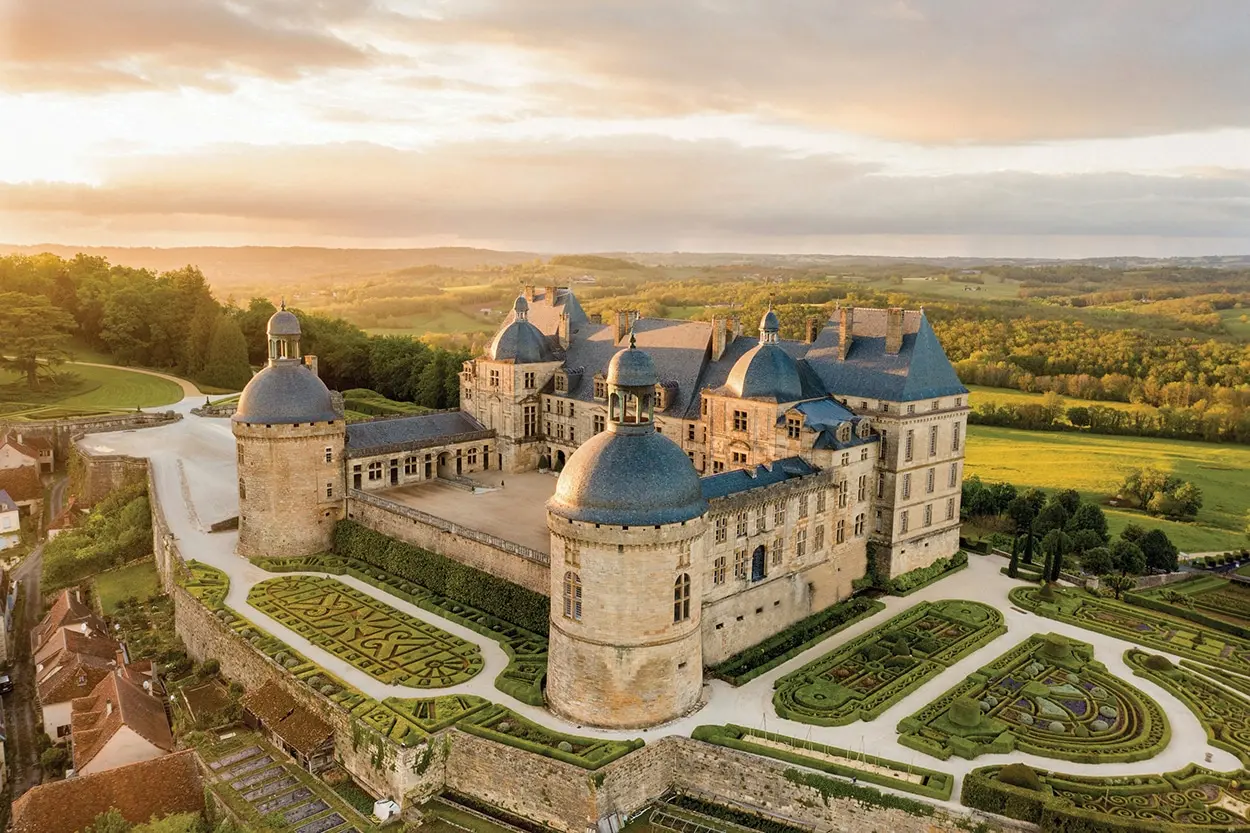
{"x": 1210, "y": 423}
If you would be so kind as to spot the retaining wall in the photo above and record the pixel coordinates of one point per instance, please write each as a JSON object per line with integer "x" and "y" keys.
{"x": 62, "y": 432}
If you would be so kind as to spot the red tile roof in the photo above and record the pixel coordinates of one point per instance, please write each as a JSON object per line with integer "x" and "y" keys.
{"x": 67, "y": 611}
{"x": 116, "y": 702}
{"x": 25, "y": 446}
{"x": 294, "y": 723}
{"x": 70, "y": 664}
{"x": 159, "y": 787}
{"x": 22, "y": 483}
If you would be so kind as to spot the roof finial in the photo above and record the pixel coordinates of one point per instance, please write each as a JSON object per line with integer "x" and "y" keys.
{"x": 633, "y": 341}
{"x": 282, "y": 303}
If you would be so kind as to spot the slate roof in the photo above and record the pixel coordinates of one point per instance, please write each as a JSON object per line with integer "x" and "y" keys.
{"x": 93, "y": 723}
{"x": 743, "y": 480}
{"x": 300, "y": 728}
{"x": 284, "y": 393}
{"x": 424, "y": 429}
{"x": 6, "y": 502}
{"x": 159, "y": 787}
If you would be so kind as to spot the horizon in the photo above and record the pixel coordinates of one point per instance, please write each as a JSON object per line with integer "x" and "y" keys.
{"x": 914, "y": 128}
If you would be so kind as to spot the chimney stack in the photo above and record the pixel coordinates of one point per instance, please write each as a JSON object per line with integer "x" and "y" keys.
{"x": 596, "y": 318}
{"x": 720, "y": 328}
{"x": 529, "y": 292}
{"x": 551, "y": 295}
{"x": 310, "y": 362}
{"x": 735, "y": 322}
{"x": 625, "y": 319}
{"x": 566, "y": 330}
{"x": 811, "y": 329}
{"x": 846, "y": 331}
{"x": 893, "y": 330}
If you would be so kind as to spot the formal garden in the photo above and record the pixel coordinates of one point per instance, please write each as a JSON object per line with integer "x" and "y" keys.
{"x": 385, "y": 643}
{"x": 1047, "y": 696}
{"x": 864, "y": 677}
{"x": 1210, "y": 693}
{"x": 1209, "y": 600}
{"x": 1147, "y": 628}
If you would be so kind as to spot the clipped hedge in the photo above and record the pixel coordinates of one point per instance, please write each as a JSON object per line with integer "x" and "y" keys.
{"x": 935, "y": 784}
{"x": 503, "y": 725}
{"x": 1150, "y": 600}
{"x": 867, "y": 796}
{"x": 922, "y": 577}
{"x": 444, "y": 576}
{"x": 762, "y": 657}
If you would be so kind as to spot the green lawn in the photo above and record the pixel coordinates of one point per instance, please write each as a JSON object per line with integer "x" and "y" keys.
{"x": 445, "y": 321}
{"x": 139, "y": 580}
{"x": 85, "y": 389}
{"x": 1236, "y": 321}
{"x": 1094, "y": 465}
{"x": 1007, "y": 396}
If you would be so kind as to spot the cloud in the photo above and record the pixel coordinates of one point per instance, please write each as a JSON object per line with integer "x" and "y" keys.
{"x": 915, "y": 70}
{"x": 619, "y": 193}
{"x": 111, "y": 45}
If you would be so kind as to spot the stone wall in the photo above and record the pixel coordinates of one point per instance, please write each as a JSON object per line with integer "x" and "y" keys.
{"x": 62, "y": 432}
{"x": 518, "y": 564}
{"x": 94, "y": 476}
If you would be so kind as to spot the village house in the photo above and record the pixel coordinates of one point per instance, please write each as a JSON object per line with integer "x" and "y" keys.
{"x": 118, "y": 723}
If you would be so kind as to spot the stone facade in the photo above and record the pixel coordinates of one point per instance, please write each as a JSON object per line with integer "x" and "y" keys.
{"x": 94, "y": 476}
{"x": 290, "y": 487}
{"x": 408, "y": 464}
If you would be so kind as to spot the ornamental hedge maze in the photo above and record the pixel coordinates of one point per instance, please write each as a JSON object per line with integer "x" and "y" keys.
{"x": 1192, "y": 799}
{"x": 1047, "y": 697}
{"x": 1142, "y": 627}
{"x": 379, "y": 640}
{"x": 867, "y": 675}
{"x": 1208, "y": 600}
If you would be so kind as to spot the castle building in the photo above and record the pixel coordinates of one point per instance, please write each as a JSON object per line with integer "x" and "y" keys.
{"x": 713, "y": 488}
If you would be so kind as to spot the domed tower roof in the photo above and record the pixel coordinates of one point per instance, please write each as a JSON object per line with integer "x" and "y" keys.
{"x": 283, "y": 323}
{"x": 630, "y": 474}
{"x": 286, "y": 392}
{"x": 769, "y": 325}
{"x": 766, "y": 371}
{"x": 520, "y": 341}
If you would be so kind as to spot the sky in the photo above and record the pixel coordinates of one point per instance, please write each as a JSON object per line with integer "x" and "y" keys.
{"x": 1057, "y": 128}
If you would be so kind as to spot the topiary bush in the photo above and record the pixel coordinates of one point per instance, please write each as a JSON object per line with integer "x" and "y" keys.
{"x": 1020, "y": 775}
{"x": 965, "y": 712}
{"x": 1158, "y": 663}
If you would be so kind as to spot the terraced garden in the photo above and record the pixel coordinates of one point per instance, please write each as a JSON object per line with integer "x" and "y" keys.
{"x": 864, "y": 677}
{"x": 1047, "y": 697}
{"x": 1207, "y": 600}
{"x": 374, "y": 637}
{"x": 1147, "y": 628}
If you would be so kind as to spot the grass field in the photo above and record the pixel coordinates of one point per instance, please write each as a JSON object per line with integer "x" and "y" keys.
{"x": 446, "y": 321}
{"x": 139, "y": 580}
{"x": 85, "y": 389}
{"x": 1233, "y": 322}
{"x": 1095, "y": 465}
{"x": 1008, "y": 396}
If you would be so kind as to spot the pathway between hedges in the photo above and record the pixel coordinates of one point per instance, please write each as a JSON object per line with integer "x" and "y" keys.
{"x": 203, "y": 448}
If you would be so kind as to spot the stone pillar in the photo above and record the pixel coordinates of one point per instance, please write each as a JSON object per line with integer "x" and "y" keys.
{"x": 846, "y": 332}
{"x": 893, "y": 330}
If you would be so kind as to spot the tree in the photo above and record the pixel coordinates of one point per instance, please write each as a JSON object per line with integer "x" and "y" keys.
{"x": 1013, "y": 566}
{"x": 1052, "y": 517}
{"x": 1118, "y": 583}
{"x": 1127, "y": 557}
{"x": 1023, "y": 511}
{"x": 1189, "y": 497}
{"x": 1088, "y": 516}
{"x": 173, "y": 823}
{"x": 1097, "y": 561}
{"x": 110, "y": 821}
{"x": 1069, "y": 499}
{"x": 33, "y": 332}
{"x": 1084, "y": 540}
{"x": 1055, "y": 544}
{"x": 226, "y": 365}
{"x": 54, "y": 759}
{"x": 1133, "y": 532}
{"x": 1161, "y": 554}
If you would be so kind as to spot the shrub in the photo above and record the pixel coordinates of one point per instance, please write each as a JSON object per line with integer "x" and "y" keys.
{"x": 914, "y": 580}
{"x": 1020, "y": 775}
{"x": 1158, "y": 663}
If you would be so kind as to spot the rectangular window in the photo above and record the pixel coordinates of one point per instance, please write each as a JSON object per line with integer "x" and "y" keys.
{"x": 928, "y": 514}
{"x": 885, "y": 444}
{"x": 722, "y": 529}
{"x": 859, "y": 524}
{"x": 800, "y": 543}
{"x": 601, "y": 389}
{"x": 950, "y": 509}
{"x": 571, "y": 437}
{"x": 761, "y": 518}
{"x": 600, "y": 423}
{"x": 718, "y": 570}
{"x": 862, "y": 493}
{"x": 846, "y": 458}
{"x": 880, "y": 485}
{"x": 529, "y": 381}
{"x": 547, "y": 402}
{"x": 959, "y": 402}
{"x": 329, "y": 489}
{"x": 238, "y": 455}
{"x": 777, "y": 551}
{"x": 571, "y": 409}
{"x": 529, "y": 415}
{"x": 863, "y": 453}
{"x": 793, "y": 424}
{"x": 902, "y": 521}
{"x": 908, "y": 446}
{"x": 740, "y": 420}
{"x": 562, "y": 383}
{"x": 953, "y": 480}
{"x": 690, "y": 432}
{"x": 717, "y": 467}
{"x": 494, "y": 378}
{"x": 878, "y": 521}
{"x": 911, "y": 409}
{"x": 560, "y": 431}
{"x": 885, "y": 407}
{"x": 844, "y": 494}
{"x": 906, "y": 486}
{"x": 740, "y": 562}
{"x": 410, "y": 466}
{"x": 559, "y": 407}
{"x": 742, "y": 524}
{"x": 863, "y": 405}
{"x": 472, "y": 456}
{"x": 375, "y": 470}
{"x": 930, "y": 481}
{"x": 739, "y": 457}
{"x": 937, "y": 405}
{"x": 820, "y": 537}
{"x": 779, "y": 513}
{"x": 932, "y": 440}
{"x": 821, "y": 500}
{"x": 803, "y": 506}
{"x": 702, "y": 406}
{"x": 839, "y": 532}
{"x": 329, "y": 454}
{"x": 955, "y": 436}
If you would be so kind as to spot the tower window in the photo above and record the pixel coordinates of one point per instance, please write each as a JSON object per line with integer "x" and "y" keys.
{"x": 718, "y": 570}
{"x": 242, "y": 490}
{"x": 840, "y": 532}
{"x": 494, "y": 378}
{"x": 572, "y": 596}
{"x": 329, "y": 454}
{"x": 681, "y": 598}
{"x": 902, "y": 521}
{"x": 859, "y": 524}
{"x": 529, "y": 380}
{"x": 844, "y": 494}
{"x": 761, "y": 518}
{"x": 928, "y": 514}
{"x": 803, "y": 506}
{"x": 742, "y": 524}
{"x": 238, "y": 453}
{"x": 800, "y": 543}
{"x": 933, "y": 440}
{"x": 740, "y": 420}
{"x": 779, "y": 513}
{"x": 906, "y": 486}
{"x": 908, "y": 447}
{"x": 740, "y": 563}
{"x": 863, "y": 488}
{"x": 953, "y": 480}
{"x": 777, "y": 551}
{"x": 950, "y": 509}
{"x": 530, "y": 420}
{"x": 930, "y": 480}
{"x": 955, "y": 436}
{"x": 820, "y": 537}
{"x": 329, "y": 489}
{"x": 880, "y": 485}
{"x": 722, "y": 529}
{"x": 690, "y": 432}
{"x": 599, "y": 423}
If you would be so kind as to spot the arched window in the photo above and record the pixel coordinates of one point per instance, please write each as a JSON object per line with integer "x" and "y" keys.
{"x": 681, "y": 598}
{"x": 572, "y": 596}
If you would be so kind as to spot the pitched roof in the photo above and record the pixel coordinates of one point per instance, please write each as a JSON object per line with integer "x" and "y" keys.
{"x": 69, "y": 664}
{"x": 295, "y": 724}
{"x": 414, "y": 430}
{"x": 159, "y": 787}
{"x": 67, "y": 610}
{"x": 743, "y": 480}
{"x": 6, "y": 502}
{"x": 22, "y": 483}
{"x": 22, "y": 446}
{"x": 116, "y": 702}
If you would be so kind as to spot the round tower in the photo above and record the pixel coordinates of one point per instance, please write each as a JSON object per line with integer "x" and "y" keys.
{"x": 289, "y": 442}
{"x": 627, "y": 524}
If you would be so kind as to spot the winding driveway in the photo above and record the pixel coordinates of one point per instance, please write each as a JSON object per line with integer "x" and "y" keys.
{"x": 193, "y": 465}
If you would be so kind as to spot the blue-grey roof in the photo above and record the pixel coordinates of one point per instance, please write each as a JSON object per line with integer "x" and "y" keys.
{"x": 6, "y": 502}
{"x": 766, "y": 372}
{"x": 628, "y": 478}
{"x": 282, "y": 323}
{"x": 819, "y": 414}
{"x": 631, "y": 368}
{"x": 285, "y": 392}
{"x": 743, "y": 480}
{"x": 522, "y": 343}
{"x": 424, "y": 429}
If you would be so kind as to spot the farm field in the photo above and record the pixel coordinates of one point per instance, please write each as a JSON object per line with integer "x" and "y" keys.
{"x": 1094, "y": 465}
{"x": 445, "y": 321}
{"x": 91, "y": 390}
{"x": 1233, "y": 322}
{"x": 139, "y": 580}
{"x": 1007, "y": 396}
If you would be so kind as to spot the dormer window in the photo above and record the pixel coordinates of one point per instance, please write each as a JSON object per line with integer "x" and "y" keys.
{"x": 794, "y": 424}
{"x": 863, "y": 429}
{"x": 562, "y": 382}
{"x": 601, "y": 386}
{"x": 844, "y": 432}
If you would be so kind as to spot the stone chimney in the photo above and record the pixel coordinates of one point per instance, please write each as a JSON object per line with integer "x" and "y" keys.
{"x": 566, "y": 330}
{"x": 811, "y": 329}
{"x": 893, "y": 330}
{"x": 310, "y": 362}
{"x": 551, "y": 294}
{"x": 625, "y": 319}
{"x": 719, "y": 332}
{"x": 735, "y": 324}
{"x": 846, "y": 331}
{"x": 529, "y": 292}
{"x": 596, "y": 318}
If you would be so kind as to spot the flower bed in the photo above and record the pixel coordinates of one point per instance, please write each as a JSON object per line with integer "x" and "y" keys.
{"x": 1133, "y": 624}
{"x": 867, "y": 675}
{"x": 922, "y": 577}
{"x": 505, "y": 726}
{"x": 1189, "y": 800}
{"x": 1047, "y": 697}
{"x": 1207, "y": 600}
{"x": 376, "y": 638}
{"x": 1224, "y": 715}
{"x": 868, "y": 768}
{"x": 748, "y": 664}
